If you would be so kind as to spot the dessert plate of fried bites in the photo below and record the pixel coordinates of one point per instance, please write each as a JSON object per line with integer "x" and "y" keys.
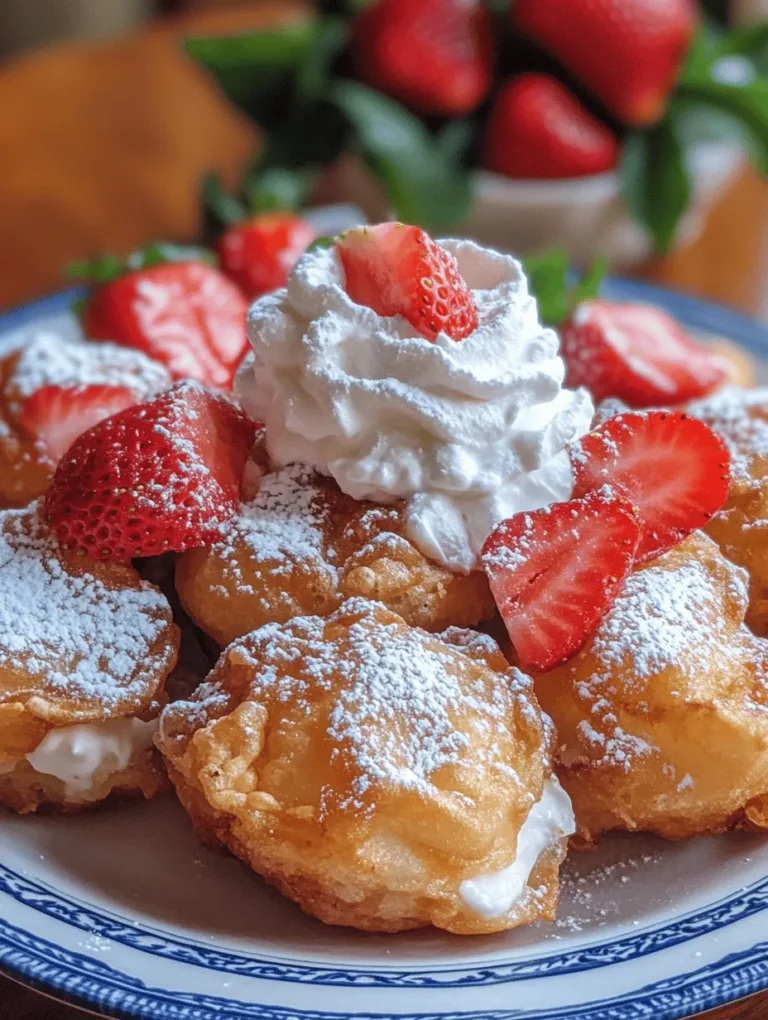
{"x": 375, "y": 651}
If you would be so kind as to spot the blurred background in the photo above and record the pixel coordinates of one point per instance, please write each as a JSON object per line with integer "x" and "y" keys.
{"x": 125, "y": 121}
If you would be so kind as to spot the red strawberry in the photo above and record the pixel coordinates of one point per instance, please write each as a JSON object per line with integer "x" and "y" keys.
{"x": 555, "y": 573}
{"x": 627, "y": 52}
{"x": 538, "y": 129}
{"x": 674, "y": 469}
{"x": 399, "y": 270}
{"x": 187, "y": 315}
{"x": 260, "y": 253}
{"x": 637, "y": 354}
{"x": 433, "y": 55}
{"x": 57, "y": 415}
{"x": 159, "y": 476}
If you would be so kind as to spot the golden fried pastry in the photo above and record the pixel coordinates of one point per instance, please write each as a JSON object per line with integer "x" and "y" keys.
{"x": 382, "y": 777}
{"x": 85, "y": 649}
{"x": 301, "y": 546}
{"x": 55, "y": 387}
{"x": 739, "y": 365}
{"x": 741, "y": 527}
{"x": 662, "y": 718}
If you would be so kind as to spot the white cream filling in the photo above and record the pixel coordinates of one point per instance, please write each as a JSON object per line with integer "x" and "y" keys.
{"x": 550, "y": 820}
{"x": 77, "y": 755}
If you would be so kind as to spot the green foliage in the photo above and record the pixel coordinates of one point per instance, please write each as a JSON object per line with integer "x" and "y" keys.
{"x": 420, "y": 173}
{"x": 110, "y": 267}
{"x": 551, "y": 281}
{"x": 293, "y": 82}
{"x": 655, "y": 180}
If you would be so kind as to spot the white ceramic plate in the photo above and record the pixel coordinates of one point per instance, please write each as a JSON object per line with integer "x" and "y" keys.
{"x": 122, "y": 912}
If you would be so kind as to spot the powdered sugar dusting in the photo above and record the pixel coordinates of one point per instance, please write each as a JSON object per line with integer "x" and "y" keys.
{"x": 667, "y": 618}
{"x": 282, "y": 524}
{"x": 393, "y": 717}
{"x": 74, "y": 636}
{"x": 741, "y": 418}
{"x": 52, "y": 360}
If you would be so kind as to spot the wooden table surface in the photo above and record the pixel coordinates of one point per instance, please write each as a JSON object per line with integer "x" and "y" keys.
{"x": 101, "y": 148}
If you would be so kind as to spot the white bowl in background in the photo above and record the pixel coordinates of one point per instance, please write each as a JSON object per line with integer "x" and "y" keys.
{"x": 586, "y": 215}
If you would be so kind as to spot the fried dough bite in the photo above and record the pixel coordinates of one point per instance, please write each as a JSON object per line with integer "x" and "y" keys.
{"x": 302, "y": 546}
{"x": 51, "y": 375}
{"x": 741, "y": 527}
{"x": 85, "y": 649}
{"x": 382, "y": 777}
{"x": 739, "y": 365}
{"x": 662, "y": 718}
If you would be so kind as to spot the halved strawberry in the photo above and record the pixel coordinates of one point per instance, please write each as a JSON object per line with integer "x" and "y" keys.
{"x": 674, "y": 469}
{"x": 57, "y": 415}
{"x": 159, "y": 476}
{"x": 555, "y": 573}
{"x": 399, "y": 270}
{"x": 636, "y": 353}
{"x": 187, "y": 315}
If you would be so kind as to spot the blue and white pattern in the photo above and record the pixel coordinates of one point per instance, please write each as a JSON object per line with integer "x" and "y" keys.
{"x": 76, "y": 945}
{"x": 158, "y": 944}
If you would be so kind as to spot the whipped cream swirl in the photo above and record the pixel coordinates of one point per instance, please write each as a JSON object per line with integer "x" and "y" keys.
{"x": 468, "y": 432}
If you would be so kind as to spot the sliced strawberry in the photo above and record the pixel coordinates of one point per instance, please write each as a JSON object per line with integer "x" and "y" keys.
{"x": 260, "y": 253}
{"x": 187, "y": 315}
{"x": 555, "y": 573}
{"x": 636, "y": 353}
{"x": 159, "y": 476}
{"x": 399, "y": 270}
{"x": 57, "y": 415}
{"x": 674, "y": 469}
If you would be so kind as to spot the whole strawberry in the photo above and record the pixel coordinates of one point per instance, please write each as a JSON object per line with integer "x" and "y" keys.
{"x": 433, "y": 55}
{"x": 538, "y": 129}
{"x": 627, "y": 52}
{"x": 399, "y": 270}
{"x": 259, "y": 253}
{"x": 185, "y": 314}
{"x": 159, "y": 476}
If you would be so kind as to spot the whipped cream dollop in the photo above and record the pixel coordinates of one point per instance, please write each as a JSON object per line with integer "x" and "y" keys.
{"x": 82, "y": 755}
{"x": 468, "y": 432}
{"x": 549, "y": 820}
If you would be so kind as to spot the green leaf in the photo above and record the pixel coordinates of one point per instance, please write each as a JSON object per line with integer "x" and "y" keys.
{"x": 276, "y": 189}
{"x": 453, "y": 141}
{"x": 749, "y": 41}
{"x": 328, "y": 40}
{"x": 655, "y": 181}
{"x": 422, "y": 184}
{"x": 550, "y": 281}
{"x": 590, "y": 283}
{"x": 99, "y": 270}
{"x": 79, "y": 305}
{"x": 220, "y": 210}
{"x": 253, "y": 68}
{"x": 160, "y": 253}
{"x": 321, "y": 242}
{"x": 748, "y": 104}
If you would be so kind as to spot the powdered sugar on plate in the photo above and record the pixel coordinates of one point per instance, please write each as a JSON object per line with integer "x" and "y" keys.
{"x": 94, "y": 641}
{"x": 49, "y": 359}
